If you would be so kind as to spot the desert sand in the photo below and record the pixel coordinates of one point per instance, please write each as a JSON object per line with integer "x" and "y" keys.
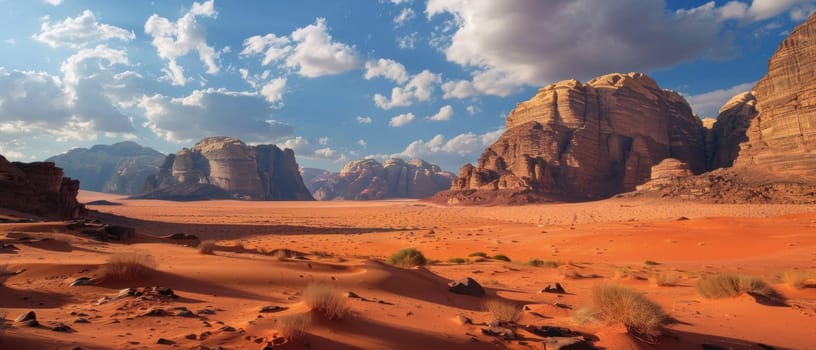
{"x": 344, "y": 243}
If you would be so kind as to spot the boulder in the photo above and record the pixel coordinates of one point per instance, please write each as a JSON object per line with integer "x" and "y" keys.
{"x": 585, "y": 141}
{"x": 224, "y": 167}
{"x": 368, "y": 179}
{"x": 467, "y": 286}
{"x": 667, "y": 172}
{"x": 39, "y": 188}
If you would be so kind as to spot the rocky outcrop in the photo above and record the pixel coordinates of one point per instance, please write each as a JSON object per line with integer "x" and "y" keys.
{"x": 728, "y": 132}
{"x": 224, "y": 167}
{"x": 119, "y": 168}
{"x": 583, "y": 141}
{"x": 40, "y": 189}
{"x": 368, "y": 179}
{"x": 316, "y": 178}
{"x": 665, "y": 173}
{"x": 782, "y": 137}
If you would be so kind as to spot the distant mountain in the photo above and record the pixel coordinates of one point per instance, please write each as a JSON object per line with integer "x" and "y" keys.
{"x": 316, "y": 178}
{"x": 368, "y": 179}
{"x": 225, "y": 167}
{"x": 119, "y": 168}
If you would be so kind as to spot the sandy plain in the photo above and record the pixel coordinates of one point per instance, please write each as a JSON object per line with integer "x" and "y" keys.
{"x": 605, "y": 242}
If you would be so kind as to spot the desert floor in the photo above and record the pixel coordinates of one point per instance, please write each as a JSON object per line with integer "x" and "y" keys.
{"x": 344, "y": 244}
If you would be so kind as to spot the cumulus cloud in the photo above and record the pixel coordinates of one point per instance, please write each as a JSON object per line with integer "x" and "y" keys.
{"x": 212, "y": 112}
{"x": 401, "y": 120}
{"x": 364, "y": 120}
{"x": 306, "y": 149}
{"x": 445, "y": 113}
{"x": 273, "y": 91}
{"x": 176, "y": 39}
{"x": 362, "y": 143}
{"x": 492, "y": 38}
{"x": 449, "y": 153}
{"x": 79, "y": 31}
{"x": 708, "y": 104}
{"x": 419, "y": 88}
{"x": 309, "y": 50}
{"x": 406, "y": 42}
{"x": 386, "y": 68}
{"x": 404, "y": 16}
{"x": 53, "y": 2}
{"x": 472, "y": 110}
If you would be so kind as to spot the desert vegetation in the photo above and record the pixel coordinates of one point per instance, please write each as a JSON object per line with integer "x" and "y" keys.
{"x": 730, "y": 285}
{"x": 127, "y": 266}
{"x": 501, "y": 257}
{"x": 207, "y": 247}
{"x": 502, "y": 310}
{"x": 294, "y": 326}
{"x": 642, "y": 317}
{"x": 797, "y": 279}
{"x": 327, "y": 300}
{"x": 543, "y": 263}
{"x": 406, "y": 258}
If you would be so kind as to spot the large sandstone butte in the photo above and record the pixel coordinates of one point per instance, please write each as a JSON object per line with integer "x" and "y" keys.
{"x": 224, "y": 167}
{"x": 40, "y": 189}
{"x": 367, "y": 179}
{"x": 119, "y": 168}
{"x": 580, "y": 141}
{"x": 782, "y": 137}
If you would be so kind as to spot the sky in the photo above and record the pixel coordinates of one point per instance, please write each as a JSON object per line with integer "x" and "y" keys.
{"x": 349, "y": 79}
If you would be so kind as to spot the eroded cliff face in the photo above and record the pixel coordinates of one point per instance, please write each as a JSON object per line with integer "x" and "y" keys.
{"x": 728, "y": 132}
{"x": 593, "y": 140}
{"x": 368, "y": 179}
{"x": 38, "y": 188}
{"x": 782, "y": 137}
{"x": 224, "y": 167}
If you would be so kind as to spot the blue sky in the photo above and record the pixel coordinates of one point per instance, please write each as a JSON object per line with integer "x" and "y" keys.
{"x": 343, "y": 80}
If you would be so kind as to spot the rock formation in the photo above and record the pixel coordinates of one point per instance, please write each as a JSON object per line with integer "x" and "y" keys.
{"x": 316, "y": 178}
{"x": 118, "y": 168}
{"x": 584, "y": 141}
{"x": 224, "y": 167}
{"x": 728, "y": 132}
{"x": 666, "y": 172}
{"x": 782, "y": 137}
{"x": 40, "y": 189}
{"x": 367, "y": 179}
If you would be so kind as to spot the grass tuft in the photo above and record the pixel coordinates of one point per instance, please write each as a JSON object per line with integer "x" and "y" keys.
{"x": 730, "y": 286}
{"x": 503, "y": 310}
{"x": 543, "y": 263}
{"x": 796, "y": 279}
{"x": 207, "y": 247}
{"x": 642, "y": 317}
{"x": 326, "y": 299}
{"x": 127, "y": 266}
{"x": 406, "y": 258}
{"x": 651, "y": 262}
{"x": 294, "y": 326}
{"x": 479, "y": 254}
{"x": 501, "y": 257}
{"x": 661, "y": 279}
{"x": 457, "y": 260}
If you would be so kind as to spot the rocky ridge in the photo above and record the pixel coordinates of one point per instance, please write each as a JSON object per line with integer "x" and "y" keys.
{"x": 38, "y": 188}
{"x": 119, "y": 168}
{"x": 368, "y": 179}
{"x": 224, "y": 167}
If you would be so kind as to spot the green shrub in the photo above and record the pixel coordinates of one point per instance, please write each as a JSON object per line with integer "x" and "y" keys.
{"x": 406, "y": 258}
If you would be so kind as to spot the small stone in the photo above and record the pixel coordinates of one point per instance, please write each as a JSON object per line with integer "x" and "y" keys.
{"x": 353, "y": 295}
{"x": 273, "y": 308}
{"x": 30, "y": 323}
{"x": 127, "y": 292}
{"x": 62, "y": 327}
{"x": 82, "y": 281}
{"x": 185, "y": 313}
{"x": 28, "y": 315}
{"x": 155, "y": 312}
{"x": 191, "y": 336}
{"x": 82, "y": 320}
{"x": 206, "y": 312}
{"x": 462, "y": 320}
{"x": 556, "y": 289}
{"x": 467, "y": 286}
{"x": 163, "y": 341}
{"x": 228, "y": 329}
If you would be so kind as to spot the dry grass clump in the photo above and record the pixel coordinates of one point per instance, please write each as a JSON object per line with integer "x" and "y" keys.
{"x": 543, "y": 263}
{"x": 326, "y": 299}
{"x": 207, "y": 247}
{"x": 501, "y": 257}
{"x": 663, "y": 279}
{"x": 406, "y": 258}
{"x": 642, "y": 317}
{"x": 457, "y": 260}
{"x": 127, "y": 266}
{"x": 294, "y": 326}
{"x": 479, "y": 254}
{"x": 797, "y": 279}
{"x": 729, "y": 286}
{"x": 502, "y": 310}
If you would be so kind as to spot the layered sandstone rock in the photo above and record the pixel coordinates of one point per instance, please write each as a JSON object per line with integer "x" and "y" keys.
{"x": 316, "y": 178}
{"x": 118, "y": 168}
{"x": 368, "y": 179}
{"x": 666, "y": 172}
{"x": 583, "y": 141}
{"x": 40, "y": 189}
{"x": 782, "y": 137}
{"x": 726, "y": 135}
{"x": 224, "y": 167}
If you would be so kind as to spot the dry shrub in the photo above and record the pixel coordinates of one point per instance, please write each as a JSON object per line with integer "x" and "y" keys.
{"x": 796, "y": 279}
{"x": 501, "y": 257}
{"x": 406, "y": 258}
{"x": 642, "y": 317}
{"x": 661, "y": 279}
{"x": 479, "y": 254}
{"x": 326, "y": 299}
{"x": 503, "y": 310}
{"x": 457, "y": 260}
{"x": 729, "y": 286}
{"x": 543, "y": 263}
{"x": 207, "y": 247}
{"x": 294, "y": 326}
{"x": 127, "y": 266}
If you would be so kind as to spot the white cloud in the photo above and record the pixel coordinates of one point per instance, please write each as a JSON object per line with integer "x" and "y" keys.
{"x": 401, "y": 120}
{"x": 305, "y": 149}
{"x": 212, "y": 112}
{"x": 404, "y": 16}
{"x": 323, "y": 141}
{"x": 492, "y": 38}
{"x": 445, "y": 113}
{"x": 419, "y": 88}
{"x": 472, "y": 110}
{"x": 362, "y": 143}
{"x": 458, "y": 89}
{"x": 10, "y": 41}
{"x": 386, "y": 68}
{"x": 316, "y": 54}
{"x": 273, "y": 47}
{"x": 176, "y": 39}
{"x": 273, "y": 90}
{"x": 708, "y": 104}
{"x": 399, "y": 2}
{"x": 406, "y": 42}
{"x": 364, "y": 120}
{"x": 79, "y": 31}
{"x": 53, "y": 2}
{"x": 448, "y": 154}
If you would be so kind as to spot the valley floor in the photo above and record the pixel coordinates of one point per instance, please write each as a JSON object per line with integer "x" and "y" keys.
{"x": 606, "y": 242}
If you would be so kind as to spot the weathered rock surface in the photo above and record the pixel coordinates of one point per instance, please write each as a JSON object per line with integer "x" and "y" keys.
{"x": 728, "y": 132}
{"x": 118, "y": 168}
{"x": 585, "y": 141}
{"x": 782, "y": 137}
{"x": 316, "y": 178}
{"x": 38, "y": 188}
{"x": 368, "y": 179}
{"x": 667, "y": 172}
{"x": 224, "y": 167}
